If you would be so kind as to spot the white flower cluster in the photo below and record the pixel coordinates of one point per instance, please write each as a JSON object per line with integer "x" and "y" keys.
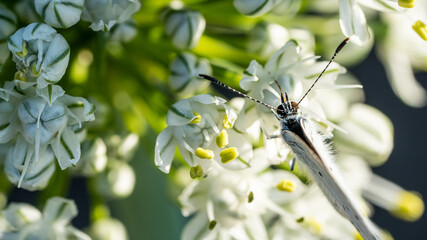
{"x": 40, "y": 123}
{"x": 242, "y": 187}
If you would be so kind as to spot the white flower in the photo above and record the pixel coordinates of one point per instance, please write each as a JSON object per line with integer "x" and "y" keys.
{"x": 184, "y": 26}
{"x": 94, "y": 157}
{"x": 28, "y": 223}
{"x": 402, "y": 52}
{"x": 104, "y": 14}
{"x": 8, "y": 23}
{"x": 266, "y": 38}
{"x": 117, "y": 181}
{"x": 201, "y": 127}
{"x": 184, "y": 77}
{"x": 59, "y": 14}
{"x": 108, "y": 228}
{"x": 38, "y": 125}
{"x": 255, "y": 7}
{"x": 40, "y": 53}
{"x": 369, "y": 134}
{"x": 124, "y": 32}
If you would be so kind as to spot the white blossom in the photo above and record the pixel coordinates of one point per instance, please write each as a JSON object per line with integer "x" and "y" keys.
{"x": 54, "y": 223}
{"x": 40, "y": 53}
{"x": 59, "y": 14}
{"x": 184, "y": 77}
{"x": 184, "y": 26}
{"x": 104, "y": 14}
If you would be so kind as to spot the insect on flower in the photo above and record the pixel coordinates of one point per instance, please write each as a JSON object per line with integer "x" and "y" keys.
{"x": 308, "y": 145}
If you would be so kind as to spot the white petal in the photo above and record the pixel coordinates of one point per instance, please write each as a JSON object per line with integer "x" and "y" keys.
{"x": 66, "y": 147}
{"x": 50, "y": 93}
{"x": 285, "y": 56}
{"x": 20, "y": 215}
{"x": 353, "y": 22}
{"x": 59, "y": 210}
{"x": 196, "y": 228}
{"x": 164, "y": 149}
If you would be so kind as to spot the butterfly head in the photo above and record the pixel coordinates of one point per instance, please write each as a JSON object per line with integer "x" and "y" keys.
{"x": 287, "y": 108}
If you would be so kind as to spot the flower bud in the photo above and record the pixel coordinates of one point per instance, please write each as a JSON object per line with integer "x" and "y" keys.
{"x": 93, "y": 159}
{"x": 117, "y": 181}
{"x": 266, "y": 38}
{"x": 185, "y": 27}
{"x": 59, "y": 14}
{"x": 184, "y": 77}
{"x": 255, "y": 7}
{"x": 108, "y": 228}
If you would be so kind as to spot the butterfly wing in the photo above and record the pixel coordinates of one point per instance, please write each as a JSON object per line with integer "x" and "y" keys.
{"x": 313, "y": 154}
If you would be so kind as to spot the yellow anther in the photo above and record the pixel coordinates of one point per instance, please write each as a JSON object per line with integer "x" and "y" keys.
{"x": 222, "y": 139}
{"x": 197, "y": 118}
{"x": 406, "y": 3}
{"x": 250, "y": 197}
{"x": 35, "y": 71}
{"x": 24, "y": 51}
{"x": 196, "y": 172}
{"x": 286, "y": 186}
{"x": 226, "y": 123}
{"x": 300, "y": 220}
{"x": 204, "y": 153}
{"x": 314, "y": 226}
{"x": 409, "y": 207}
{"x": 421, "y": 29}
{"x": 212, "y": 224}
{"x": 228, "y": 154}
{"x": 357, "y": 236}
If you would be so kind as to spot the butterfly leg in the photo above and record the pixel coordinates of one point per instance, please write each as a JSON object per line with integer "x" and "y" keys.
{"x": 292, "y": 164}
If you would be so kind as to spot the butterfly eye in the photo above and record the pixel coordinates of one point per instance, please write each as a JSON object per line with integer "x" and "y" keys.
{"x": 281, "y": 111}
{"x": 294, "y": 105}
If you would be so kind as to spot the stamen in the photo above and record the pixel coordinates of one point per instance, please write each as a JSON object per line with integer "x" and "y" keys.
{"x": 24, "y": 51}
{"x": 421, "y": 29}
{"x": 212, "y": 225}
{"x": 406, "y": 3}
{"x": 409, "y": 206}
{"x": 204, "y": 153}
{"x": 222, "y": 139}
{"x": 250, "y": 197}
{"x": 229, "y": 154}
{"x": 226, "y": 123}
{"x": 197, "y": 118}
{"x": 286, "y": 186}
{"x": 196, "y": 172}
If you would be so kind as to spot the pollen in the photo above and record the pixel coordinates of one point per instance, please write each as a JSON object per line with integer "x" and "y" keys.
{"x": 251, "y": 197}
{"x": 229, "y": 154}
{"x": 286, "y": 186}
{"x": 406, "y": 3}
{"x": 24, "y": 51}
{"x": 314, "y": 226}
{"x": 409, "y": 206}
{"x": 196, "y": 172}
{"x": 421, "y": 29}
{"x": 197, "y": 118}
{"x": 222, "y": 139}
{"x": 204, "y": 153}
{"x": 226, "y": 123}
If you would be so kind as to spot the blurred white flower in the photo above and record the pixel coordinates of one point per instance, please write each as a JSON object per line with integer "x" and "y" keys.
{"x": 38, "y": 124}
{"x": 40, "y": 53}
{"x": 93, "y": 158}
{"x": 267, "y": 38}
{"x": 104, "y": 14}
{"x": 59, "y": 14}
{"x": 108, "y": 228}
{"x": 255, "y": 7}
{"x": 26, "y": 222}
{"x": 402, "y": 51}
{"x": 8, "y": 23}
{"x": 201, "y": 127}
{"x": 184, "y": 77}
{"x": 124, "y": 32}
{"x": 369, "y": 134}
{"x": 117, "y": 181}
{"x": 184, "y": 26}
{"x": 403, "y": 204}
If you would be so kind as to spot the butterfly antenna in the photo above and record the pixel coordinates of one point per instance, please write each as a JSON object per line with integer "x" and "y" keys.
{"x": 281, "y": 93}
{"x": 217, "y": 82}
{"x": 343, "y": 43}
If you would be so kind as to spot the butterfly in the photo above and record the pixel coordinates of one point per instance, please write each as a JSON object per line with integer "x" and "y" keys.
{"x": 310, "y": 149}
